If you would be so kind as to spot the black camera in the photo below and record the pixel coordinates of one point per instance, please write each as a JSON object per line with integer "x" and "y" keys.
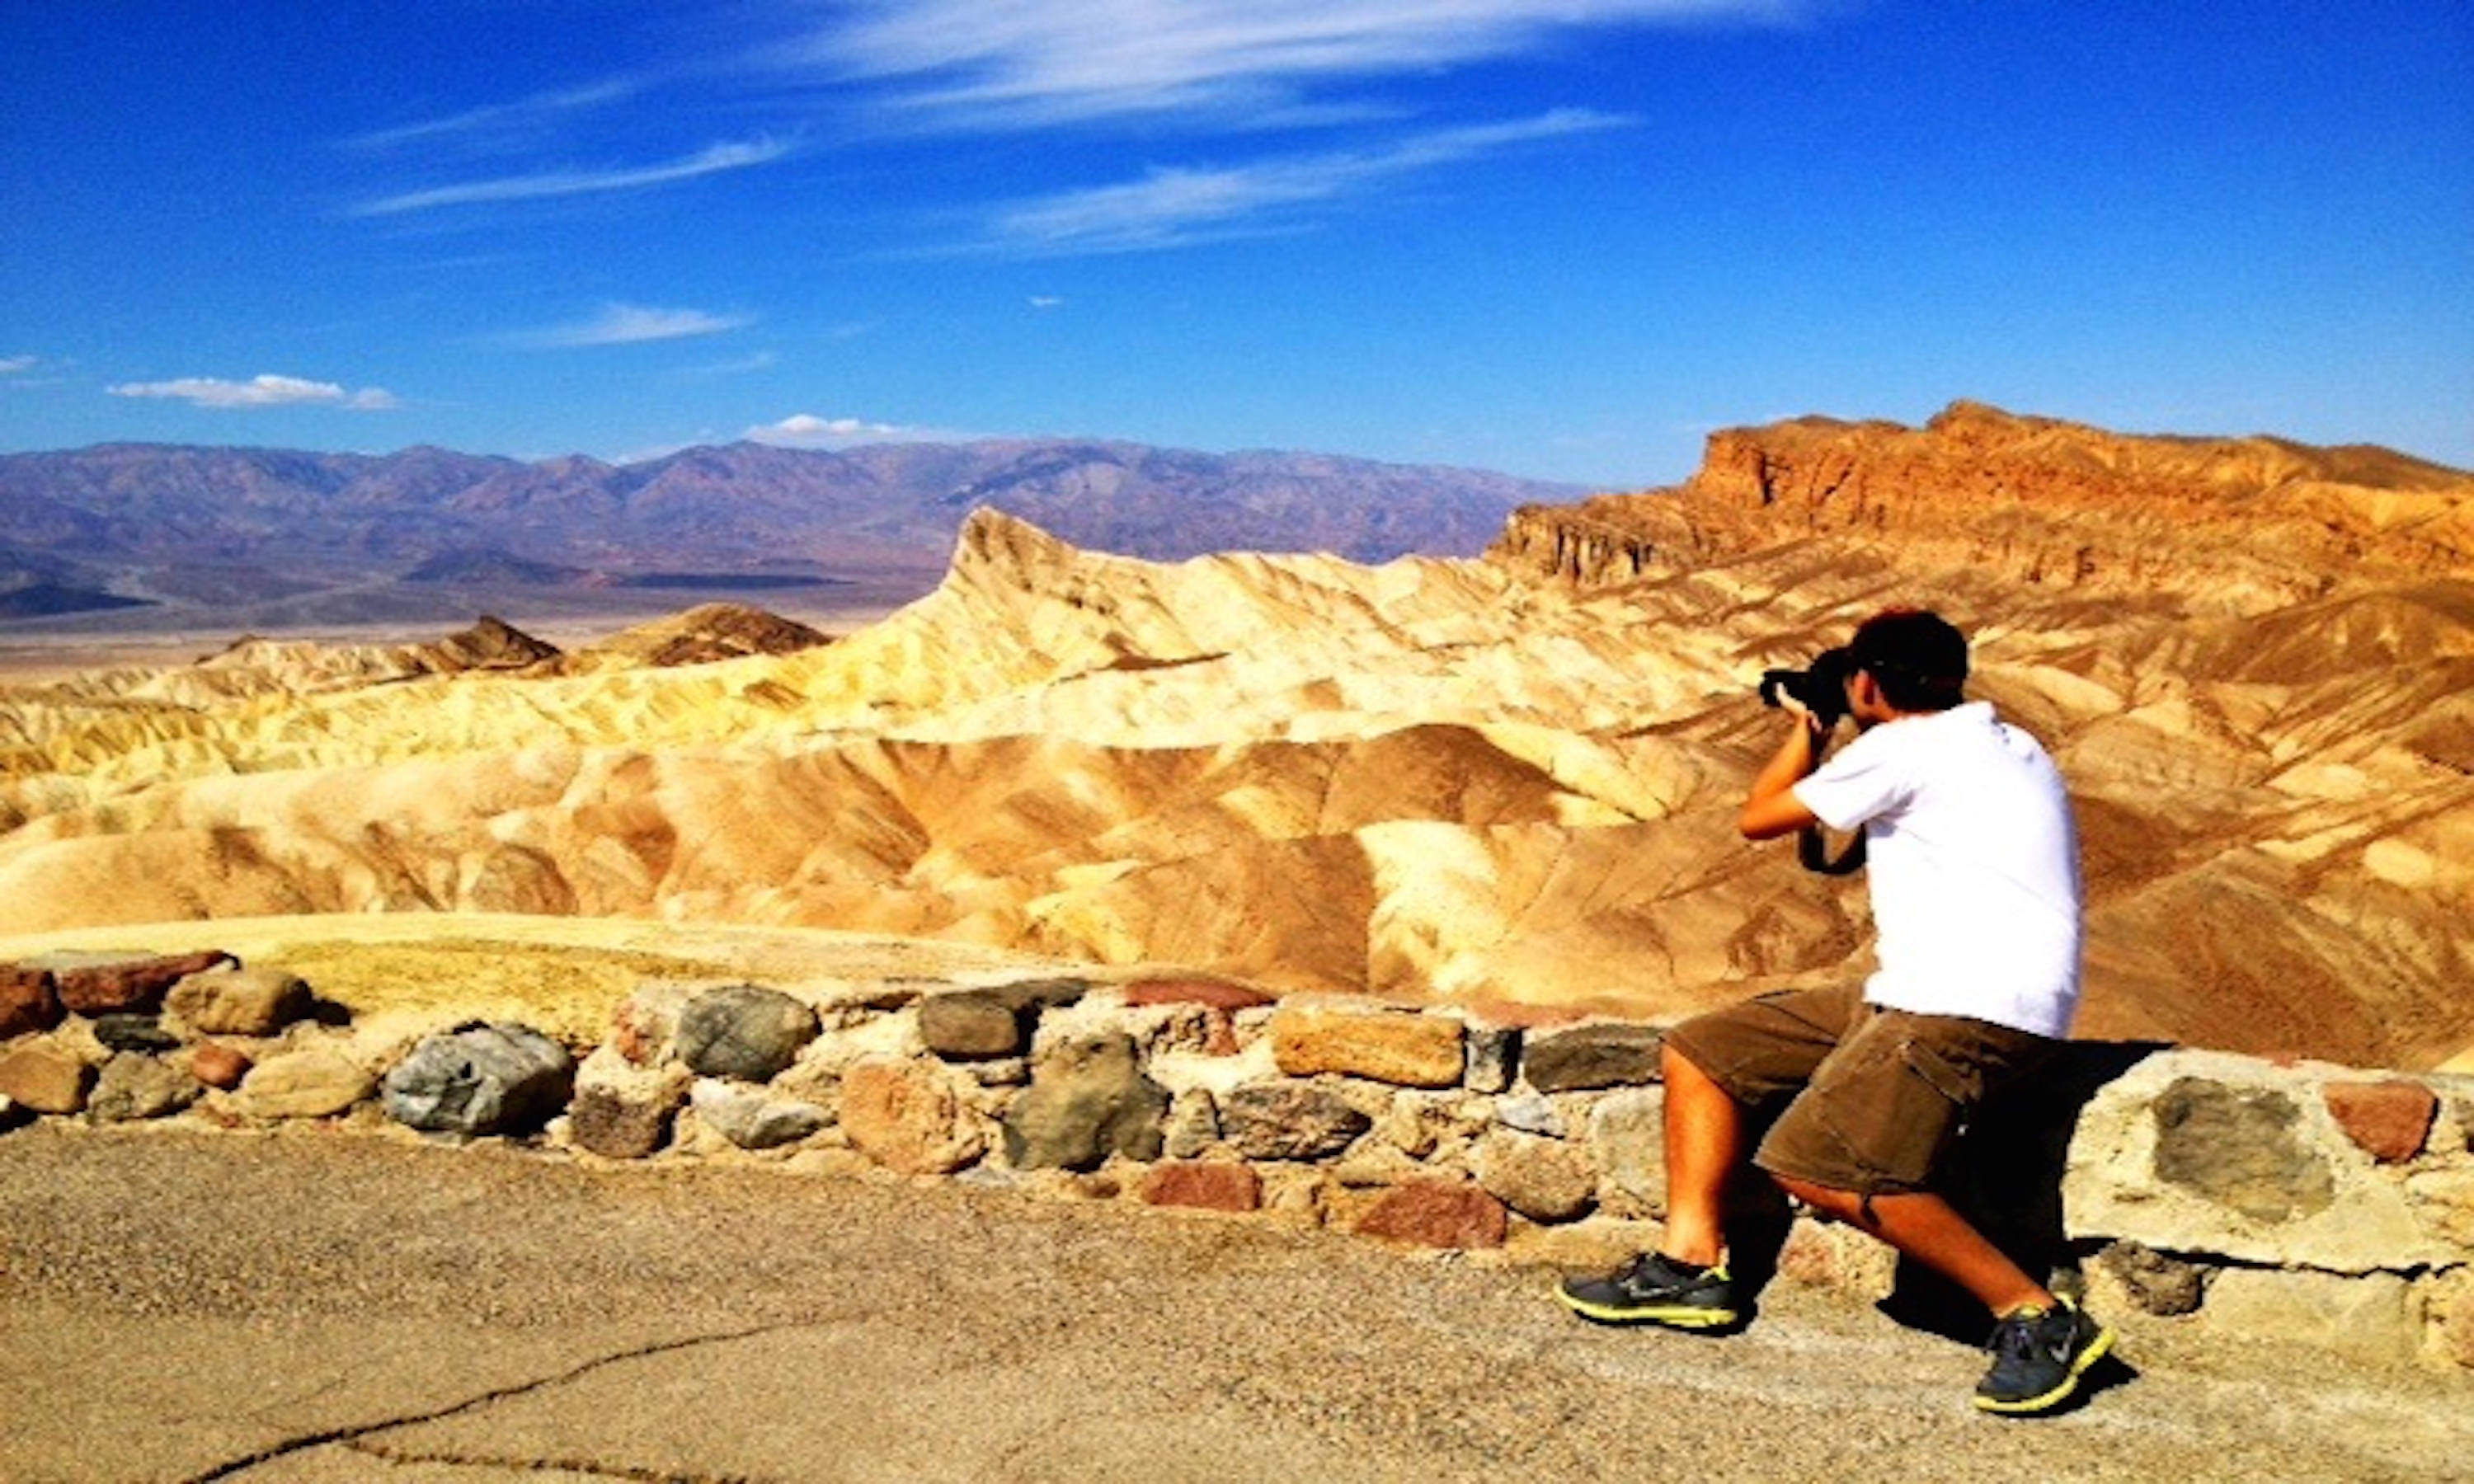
{"x": 1821, "y": 690}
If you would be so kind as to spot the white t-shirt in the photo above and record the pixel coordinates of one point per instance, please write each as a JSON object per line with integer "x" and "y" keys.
{"x": 1973, "y": 866}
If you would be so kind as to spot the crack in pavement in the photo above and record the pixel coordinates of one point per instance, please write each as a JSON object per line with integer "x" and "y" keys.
{"x": 578, "y": 1466}
{"x": 354, "y": 1436}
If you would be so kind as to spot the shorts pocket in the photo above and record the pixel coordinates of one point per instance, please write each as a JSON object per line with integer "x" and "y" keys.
{"x": 1897, "y": 1112}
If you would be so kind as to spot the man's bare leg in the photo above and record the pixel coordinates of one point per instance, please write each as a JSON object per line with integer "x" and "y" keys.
{"x": 1705, "y": 1131}
{"x": 1927, "y": 1228}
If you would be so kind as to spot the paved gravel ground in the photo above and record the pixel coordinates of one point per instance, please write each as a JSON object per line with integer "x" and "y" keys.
{"x": 316, "y": 1306}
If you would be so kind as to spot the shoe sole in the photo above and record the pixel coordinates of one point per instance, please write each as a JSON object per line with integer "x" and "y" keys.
{"x": 1671, "y": 1316}
{"x": 2027, "y": 1406}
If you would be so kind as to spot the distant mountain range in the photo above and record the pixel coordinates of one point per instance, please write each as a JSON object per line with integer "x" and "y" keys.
{"x": 254, "y": 531}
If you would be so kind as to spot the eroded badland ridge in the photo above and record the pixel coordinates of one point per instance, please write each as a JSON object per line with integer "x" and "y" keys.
{"x": 1509, "y": 779}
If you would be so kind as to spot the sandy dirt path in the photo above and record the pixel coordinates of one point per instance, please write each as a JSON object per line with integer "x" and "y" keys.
{"x": 313, "y": 1307}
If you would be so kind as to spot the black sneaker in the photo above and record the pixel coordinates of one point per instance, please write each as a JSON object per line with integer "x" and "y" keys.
{"x": 1652, "y": 1290}
{"x": 2038, "y": 1357}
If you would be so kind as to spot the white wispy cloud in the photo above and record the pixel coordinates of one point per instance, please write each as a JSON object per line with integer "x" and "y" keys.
{"x": 805, "y": 430}
{"x": 13, "y": 365}
{"x": 1021, "y": 61}
{"x": 628, "y": 324}
{"x": 523, "y": 115}
{"x": 262, "y": 391}
{"x": 1169, "y": 206}
{"x": 712, "y": 160}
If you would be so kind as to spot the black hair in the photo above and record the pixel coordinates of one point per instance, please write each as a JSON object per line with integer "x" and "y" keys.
{"x": 1916, "y": 657}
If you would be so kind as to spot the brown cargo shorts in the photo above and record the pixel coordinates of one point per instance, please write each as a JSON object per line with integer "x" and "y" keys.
{"x": 1872, "y": 1097}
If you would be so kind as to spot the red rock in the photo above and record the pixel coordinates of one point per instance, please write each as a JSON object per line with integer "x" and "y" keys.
{"x": 218, "y": 1065}
{"x": 1212, "y": 1186}
{"x": 134, "y": 984}
{"x": 906, "y": 1122}
{"x": 28, "y": 1002}
{"x": 1217, "y": 993}
{"x": 1438, "y": 1213}
{"x": 2389, "y": 1119}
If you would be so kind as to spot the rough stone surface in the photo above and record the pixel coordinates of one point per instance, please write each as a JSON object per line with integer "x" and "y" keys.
{"x": 1214, "y": 1185}
{"x": 122, "y": 1031}
{"x": 1289, "y": 1121}
{"x": 972, "y": 1024}
{"x": 2454, "y": 1301}
{"x": 1031, "y": 996}
{"x": 1542, "y": 1179}
{"x": 1627, "y": 1141}
{"x": 1493, "y": 1058}
{"x": 1216, "y": 994}
{"x": 1616, "y": 1055}
{"x": 1193, "y": 1124}
{"x": 743, "y": 1031}
{"x": 906, "y": 1119}
{"x": 1088, "y": 1099}
{"x": 499, "y": 1078}
{"x": 136, "y": 985}
{"x": 752, "y": 1118}
{"x": 313, "y": 1082}
{"x": 133, "y": 1086}
{"x": 239, "y": 1001}
{"x": 1399, "y": 1047}
{"x": 2445, "y": 1201}
{"x": 218, "y": 1065}
{"x": 1530, "y": 1113}
{"x": 622, "y": 1110}
{"x": 2156, "y": 1282}
{"x": 1438, "y": 1213}
{"x": 2240, "y": 1149}
{"x": 44, "y": 1077}
{"x": 27, "y": 1001}
{"x": 2371, "y": 1315}
{"x": 2389, "y": 1120}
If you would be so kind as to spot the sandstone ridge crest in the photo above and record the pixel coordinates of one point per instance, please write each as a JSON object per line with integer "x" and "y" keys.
{"x": 1507, "y": 780}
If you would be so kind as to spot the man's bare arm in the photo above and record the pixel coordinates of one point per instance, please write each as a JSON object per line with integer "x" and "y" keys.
{"x": 1773, "y": 809}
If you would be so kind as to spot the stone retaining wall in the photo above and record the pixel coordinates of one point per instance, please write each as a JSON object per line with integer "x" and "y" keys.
{"x": 2304, "y": 1201}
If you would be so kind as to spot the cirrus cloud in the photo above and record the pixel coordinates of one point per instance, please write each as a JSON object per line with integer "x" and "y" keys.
{"x": 712, "y": 160}
{"x": 260, "y": 391}
{"x": 629, "y": 325}
{"x": 1167, "y": 208}
{"x": 1024, "y": 62}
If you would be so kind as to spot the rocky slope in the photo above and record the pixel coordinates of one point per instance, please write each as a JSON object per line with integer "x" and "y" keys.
{"x": 1507, "y": 780}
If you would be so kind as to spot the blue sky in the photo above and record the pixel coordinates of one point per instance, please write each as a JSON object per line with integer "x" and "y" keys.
{"x": 1562, "y": 238}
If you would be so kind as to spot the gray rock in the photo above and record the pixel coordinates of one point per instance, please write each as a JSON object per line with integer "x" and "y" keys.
{"x": 1530, "y": 1114}
{"x": 1193, "y": 1124}
{"x": 2156, "y": 1282}
{"x": 133, "y": 1085}
{"x": 743, "y": 1031}
{"x": 1289, "y": 1121}
{"x": 971, "y": 1024}
{"x": 122, "y": 1031}
{"x": 1088, "y": 1099}
{"x": 1615, "y": 1055}
{"x": 751, "y": 1119}
{"x": 481, "y": 1080}
{"x": 2241, "y": 1149}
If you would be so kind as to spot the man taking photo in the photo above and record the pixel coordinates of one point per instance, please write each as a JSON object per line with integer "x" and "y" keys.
{"x": 1973, "y": 867}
